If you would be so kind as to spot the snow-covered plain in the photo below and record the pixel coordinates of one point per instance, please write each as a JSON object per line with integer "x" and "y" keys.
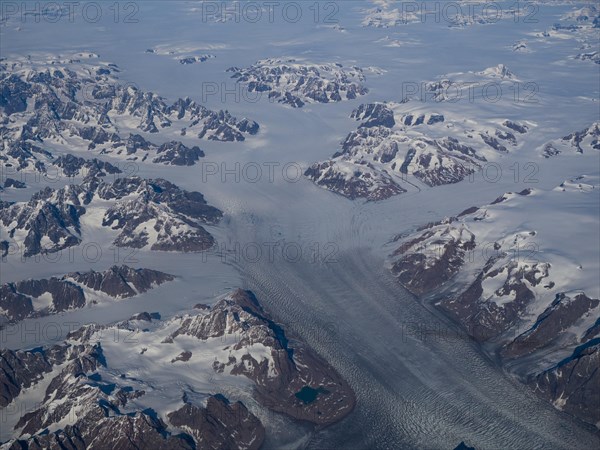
{"x": 413, "y": 392}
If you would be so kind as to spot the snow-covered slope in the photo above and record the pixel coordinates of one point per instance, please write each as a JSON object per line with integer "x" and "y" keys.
{"x": 504, "y": 273}
{"x": 146, "y": 213}
{"x": 400, "y": 144}
{"x": 93, "y": 377}
{"x": 147, "y": 118}
{"x": 296, "y": 83}
{"x": 586, "y": 140}
{"x": 77, "y": 103}
{"x": 36, "y": 298}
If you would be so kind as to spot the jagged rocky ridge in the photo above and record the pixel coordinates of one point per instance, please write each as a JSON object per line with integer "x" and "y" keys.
{"x": 40, "y": 297}
{"x": 92, "y": 383}
{"x": 146, "y": 213}
{"x": 23, "y": 369}
{"x": 296, "y": 83}
{"x": 53, "y": 168}
{"x": 572, "y": 384}
{"x": 504, "y": 273}
{"x": 76, "y": 104}
{"x": 584, "y": 141}
{"x": 72, "y": 166}
{"x": 195, "y": 59}
{"x": 12, "y": 183}
{"x": 80, "y": 410}
{"x": 394, "y": 147}
{"x": 288, "y": 377}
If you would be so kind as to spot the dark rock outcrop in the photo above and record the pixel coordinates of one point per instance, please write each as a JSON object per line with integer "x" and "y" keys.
{"x": 290, "y": 368}
{"x": 65, "y": 103}
{"x": 86, "y": 403}
{"x": 22, "y": 369}
{"x": 177, "y": 154}
{"x": 518, "y": 305}
{"x": 12, "y": 183}
{"x": 18, "y": 299}
{"x": 378, "y": 157}
{"x": 582, "y": 141}
{"x": 421, "y": 276}
{"x": 73, "y": 165}
{"x": 211, "y": 427}
{"x": 121, "y": 281}
{"x": 295, "y": 84}
{"x": 51, "y": 219}
{"x": 374, "y": 114}
{"x": 48, "y": 227}
{"x": 573, "y": 384}
{"x": 564, "y": 312}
